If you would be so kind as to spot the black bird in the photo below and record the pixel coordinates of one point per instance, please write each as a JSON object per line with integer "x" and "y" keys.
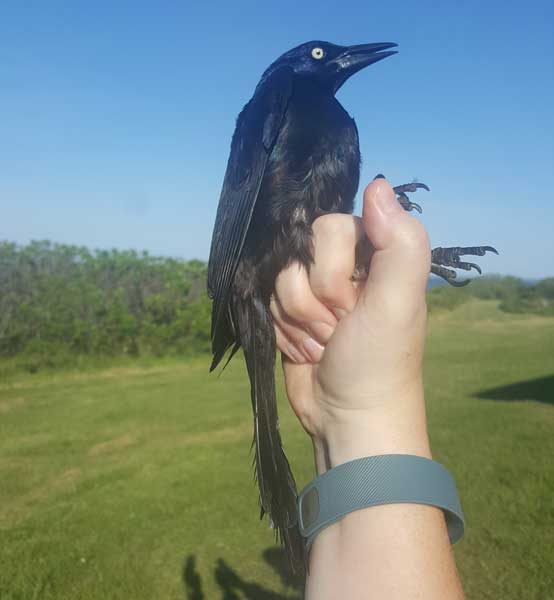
{"x": 294, "y": 156}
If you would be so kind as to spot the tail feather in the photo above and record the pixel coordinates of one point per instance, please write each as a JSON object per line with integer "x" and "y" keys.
{"x": 223, "y": 337}
{"x": 272, "y": 469}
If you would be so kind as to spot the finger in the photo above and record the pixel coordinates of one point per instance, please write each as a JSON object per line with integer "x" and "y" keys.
{"x": 298, "y": 381}
{"x": 401, "y": 261}
{"x": 286, "y": 346}
{"x": 299, "y": 340}
{"x": 336, "y": 240}
{"x": 298, "y": 304}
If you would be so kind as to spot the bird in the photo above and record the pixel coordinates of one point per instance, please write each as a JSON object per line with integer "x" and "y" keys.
{"x": 294, "y": 157}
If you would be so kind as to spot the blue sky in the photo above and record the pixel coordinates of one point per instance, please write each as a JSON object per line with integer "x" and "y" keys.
{"x": 117, "y": 116}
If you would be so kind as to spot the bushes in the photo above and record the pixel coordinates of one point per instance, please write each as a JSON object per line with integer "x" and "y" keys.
{"x": 58, "y": 302}
{"x": 513, "y": 294}
{"x": 446, "y": 297}
{"x": 537, "y": 299}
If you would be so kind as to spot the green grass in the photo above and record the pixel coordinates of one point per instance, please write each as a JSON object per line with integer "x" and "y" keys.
{"x": 135, "y": 482}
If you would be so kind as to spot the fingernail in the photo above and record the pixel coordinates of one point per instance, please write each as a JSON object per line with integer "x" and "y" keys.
{"x": 295, "y": 354}
{"x": 385, "y": 199}
{"x": 321, "y": 331}
{"x": 313, "y": 349}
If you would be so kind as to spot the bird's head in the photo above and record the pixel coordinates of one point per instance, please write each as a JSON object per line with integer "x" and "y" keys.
{"x": 330, "y": 65}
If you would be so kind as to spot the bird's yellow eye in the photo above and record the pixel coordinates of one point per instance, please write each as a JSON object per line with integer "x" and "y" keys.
{"x": 318, "y": 53}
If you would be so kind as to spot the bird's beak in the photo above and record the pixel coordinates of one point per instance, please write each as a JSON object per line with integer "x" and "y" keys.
{"x": 355, "y": 58}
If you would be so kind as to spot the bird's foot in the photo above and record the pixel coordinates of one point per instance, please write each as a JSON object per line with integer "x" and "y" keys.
{"x": 402, "y": 196}
{"x": 402, "y": 191}
{"x": 450, "y": 257}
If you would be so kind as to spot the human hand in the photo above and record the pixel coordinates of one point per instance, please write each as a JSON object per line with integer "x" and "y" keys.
{"x": 352, "y": 351}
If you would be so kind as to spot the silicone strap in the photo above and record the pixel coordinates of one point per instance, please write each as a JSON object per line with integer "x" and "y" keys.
{"x": 374, "y": 480}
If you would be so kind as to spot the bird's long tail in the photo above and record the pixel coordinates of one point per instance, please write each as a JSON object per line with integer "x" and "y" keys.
{"x": 273, "y": 473}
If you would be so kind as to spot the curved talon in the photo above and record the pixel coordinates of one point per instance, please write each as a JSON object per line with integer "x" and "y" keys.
{"x": 459, "y": 283}
{"x": 406, "y": 204}
{"x": 410, "y": 187}
{"x": 450, "y": 257}
{"x": 448, "y": 275}
{"x": 466, "y": 266}
{"x": 475, "y": 250}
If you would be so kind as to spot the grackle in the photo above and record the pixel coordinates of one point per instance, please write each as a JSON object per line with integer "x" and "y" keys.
{"x": 294, "y": 156}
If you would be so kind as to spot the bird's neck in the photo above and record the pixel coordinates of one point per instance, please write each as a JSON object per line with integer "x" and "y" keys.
{"x": 312, "y": 90}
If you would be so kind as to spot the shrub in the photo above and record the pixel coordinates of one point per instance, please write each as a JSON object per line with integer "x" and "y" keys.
{"x": 59, "y": 301}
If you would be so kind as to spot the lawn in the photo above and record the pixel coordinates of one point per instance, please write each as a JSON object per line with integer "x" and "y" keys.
{"x": 135, "y": 482}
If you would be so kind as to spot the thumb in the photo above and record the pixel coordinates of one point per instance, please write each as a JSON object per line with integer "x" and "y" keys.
{"x": 400, "y": 265}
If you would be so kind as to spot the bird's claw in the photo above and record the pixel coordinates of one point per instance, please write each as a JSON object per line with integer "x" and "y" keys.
{"x": 401, "y": 193}
{"x": 407, "y": 204}
{"x": 448, "y": 275}
{"x": 468, "y": 266}
{"x": 450, "y": 257}
{"x": 441, "y": 258}
{"x": 402, "y": 197}
{"x": 487, "y": 249}
{"x": 410, "y": 187}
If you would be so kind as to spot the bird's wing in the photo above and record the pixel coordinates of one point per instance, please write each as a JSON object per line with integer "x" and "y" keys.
{"x": 258, "y": 126}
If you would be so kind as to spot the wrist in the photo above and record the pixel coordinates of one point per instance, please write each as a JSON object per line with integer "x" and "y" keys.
{"x": 396, "y": 426}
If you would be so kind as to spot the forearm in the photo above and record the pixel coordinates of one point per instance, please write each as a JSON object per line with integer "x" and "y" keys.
{"x": 392, "y": 551}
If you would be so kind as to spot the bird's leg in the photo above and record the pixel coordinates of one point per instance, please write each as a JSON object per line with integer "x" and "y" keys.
{"x": 401, "y": 192}
{"x": 450, "y": 257}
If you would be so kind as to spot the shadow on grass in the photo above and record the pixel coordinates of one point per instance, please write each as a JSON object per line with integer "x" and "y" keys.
{"x": 277, "y": 559}
{"x": 540, "y": 390}
{"x": 234, "y": 587}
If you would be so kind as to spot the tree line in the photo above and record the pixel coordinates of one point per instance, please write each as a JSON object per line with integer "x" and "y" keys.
{"x": 58, "y": 302}
{"x": 514, "y": 295}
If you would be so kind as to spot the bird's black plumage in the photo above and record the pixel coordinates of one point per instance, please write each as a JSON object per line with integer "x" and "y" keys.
{"x": 294, "y": 156}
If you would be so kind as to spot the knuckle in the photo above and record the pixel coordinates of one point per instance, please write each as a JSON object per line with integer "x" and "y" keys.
{"x": 331, "y": 289}
{"x": 333, "y": 225}
{"x": 295, "y": 306}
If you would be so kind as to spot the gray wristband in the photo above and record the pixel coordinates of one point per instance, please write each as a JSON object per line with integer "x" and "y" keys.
{"x": 375, "y": 480}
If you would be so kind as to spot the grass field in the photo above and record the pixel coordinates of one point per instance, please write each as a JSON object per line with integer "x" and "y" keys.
{"x": 135, "y": 482}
